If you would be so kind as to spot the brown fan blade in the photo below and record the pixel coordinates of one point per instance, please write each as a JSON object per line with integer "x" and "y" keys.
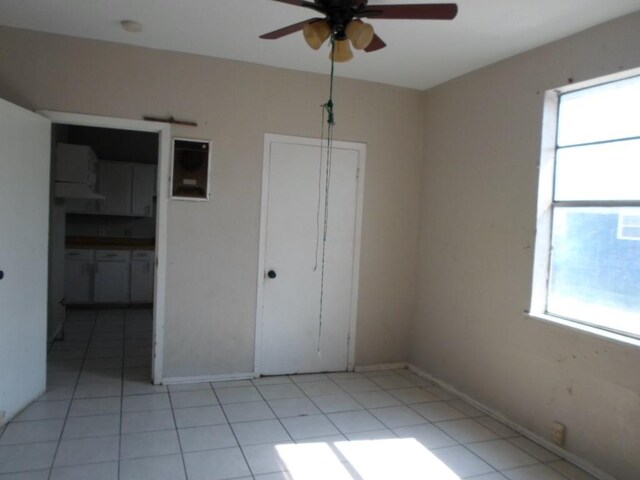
{"x": 376, "y": 44}
{"x": 434, "y": 11}
{"x": 282, "y": 32}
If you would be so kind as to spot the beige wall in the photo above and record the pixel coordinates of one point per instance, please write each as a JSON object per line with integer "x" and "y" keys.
{"x": 213, "y": 247}
{"x": 482, "y": 143}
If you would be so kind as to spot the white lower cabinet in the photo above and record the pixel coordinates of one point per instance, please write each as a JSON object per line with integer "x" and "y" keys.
{"x": 142, "y": 267}
{"x": 78, "y": 276}
{"x": 111, "y": 281}
{"x": 109, "y": 276}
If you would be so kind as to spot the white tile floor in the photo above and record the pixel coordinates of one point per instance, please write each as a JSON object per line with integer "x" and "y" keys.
{"x": 101, "y": 419}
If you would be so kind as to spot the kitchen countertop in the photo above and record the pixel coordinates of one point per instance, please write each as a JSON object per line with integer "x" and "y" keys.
{"x": 108, "y": 243}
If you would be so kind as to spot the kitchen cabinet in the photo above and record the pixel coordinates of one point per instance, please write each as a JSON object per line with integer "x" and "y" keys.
{"x": 78, "y": 276}
{"x": 109, "y": 276}
{"x": 143, "y": 190}
{"x": 114, "y": 182}
{"x": 142, "y": 275}
{"x": 111, "y": 280}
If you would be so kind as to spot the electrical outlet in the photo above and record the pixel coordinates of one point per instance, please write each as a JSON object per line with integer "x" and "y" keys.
{"x": 558, "y": 433}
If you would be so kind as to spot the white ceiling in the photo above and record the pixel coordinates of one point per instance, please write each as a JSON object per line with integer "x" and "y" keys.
{"x": 420, "y": 54}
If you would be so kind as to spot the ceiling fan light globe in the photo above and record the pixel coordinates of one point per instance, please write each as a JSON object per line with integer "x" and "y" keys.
{"x": 341, "y": 51}
{"x": 360, "y": 33}
{"x": 316, "y": 33}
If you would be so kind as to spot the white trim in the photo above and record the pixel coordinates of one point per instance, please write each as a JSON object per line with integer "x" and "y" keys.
{"x": 382, "y": 367}
{"x": 561, "y": 452}
{"x": 270, "y": 138}
{"x": 594, "y": 331}
{"x": 207, "y": 378}
{"x": 164, "y": 133}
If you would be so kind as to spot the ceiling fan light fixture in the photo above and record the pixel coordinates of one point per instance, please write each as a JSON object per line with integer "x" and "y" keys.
{"x": 316, "y": 33}
{"x": 341, "y": 51}
{"x": 360, "y": 33}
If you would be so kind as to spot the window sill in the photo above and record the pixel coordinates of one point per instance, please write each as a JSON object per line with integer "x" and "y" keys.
{"x": 588, "y": 329}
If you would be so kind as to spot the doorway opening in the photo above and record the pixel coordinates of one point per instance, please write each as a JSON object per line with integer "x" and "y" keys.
{"x": 107, "y": 246}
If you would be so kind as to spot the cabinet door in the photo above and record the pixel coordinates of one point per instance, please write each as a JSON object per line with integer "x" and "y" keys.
{"x": 142, "y": 281}
{"x": 114, "y": 182}
{"x": 111, "y": 282}
{"x": 77, "y": 280}
{"x": 144, "y": 179}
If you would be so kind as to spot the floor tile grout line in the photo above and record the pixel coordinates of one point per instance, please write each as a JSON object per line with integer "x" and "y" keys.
{"x": 124, "y": 342}
{"x": 66, "y": 418}
{"x": 175, "y": 424}
{"x": 246, "y": 461}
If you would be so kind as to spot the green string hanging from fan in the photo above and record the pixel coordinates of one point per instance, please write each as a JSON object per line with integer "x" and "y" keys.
{"x": 328, "y": 108}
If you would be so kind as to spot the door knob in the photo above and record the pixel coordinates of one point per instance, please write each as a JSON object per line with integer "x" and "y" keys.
{"x": 271, "y": 274}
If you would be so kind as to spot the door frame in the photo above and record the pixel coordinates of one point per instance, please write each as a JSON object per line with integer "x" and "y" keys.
{"x": 164, "y": 159}
{"x": 361, "y": 148}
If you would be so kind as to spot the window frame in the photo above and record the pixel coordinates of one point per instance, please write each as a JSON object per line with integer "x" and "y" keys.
{"x": 546, "y": 205}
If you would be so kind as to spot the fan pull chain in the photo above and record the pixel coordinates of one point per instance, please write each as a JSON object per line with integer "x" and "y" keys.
{"x": 328, "y": 107}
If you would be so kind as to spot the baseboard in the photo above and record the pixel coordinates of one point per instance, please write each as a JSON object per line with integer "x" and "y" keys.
{"x": 207, "y": 378}
{"x": 543, "y": 442}
{"x": 382, "y": 366}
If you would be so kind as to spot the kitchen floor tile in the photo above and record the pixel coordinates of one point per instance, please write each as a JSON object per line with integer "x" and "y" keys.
{"x": 309, "y": 426}
{"x": 376, "y": 399}
{"x": 502, "y": 455}
{"x": 216, "y": 464}
{"x": 91, "y": 426}
{"x": 94, "y": 406}
{"x": 437, "y": 411}
{"x": 145, "y": 403}
{"x": 293, "y": 407}
{"x": 238, "y": 394}
{"x": 263, "y": 431}
{"x": 27, "y": 456}
{"x": 462, "y": 462}
{"x": 87, "y": 450}
{"x": 394, "y": 417}
{"x": 44, "y": 411}
{"x": 149, "y": 444}
{"x": 96, "y": 471}
{"x": 351, "y": 422}
{"x": 199, "y": 416}
{"x": 166, "y": 467}
{"x": 138, "y": 422}
{"x": 336, "y": 403}
{"x": 466, "y": 430}
{"x": 195, "y": 398}
{"x": 247, "y": 411}
{"x": 32, "y": 432}
{"x": 206, "y": 438}
{"x": 282, "y": 390}
{"x": 264, "y": 458}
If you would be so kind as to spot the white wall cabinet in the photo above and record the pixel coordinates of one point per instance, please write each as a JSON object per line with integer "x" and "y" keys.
{"x": 111, "y": 281}
{"x": 78, "y": 276}
{"x": 114, "y": 182}
{"x": 142, "y": 275}
{"x": 129, "y": 189}
{"x": 143, "y": 190}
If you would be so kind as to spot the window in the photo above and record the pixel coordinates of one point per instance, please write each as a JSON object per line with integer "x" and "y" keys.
{"x": 587, "y": 257}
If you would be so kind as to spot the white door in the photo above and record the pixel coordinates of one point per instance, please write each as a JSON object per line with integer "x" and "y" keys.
{"x": 25, "y": 159}
{"x": 309, "y": 307}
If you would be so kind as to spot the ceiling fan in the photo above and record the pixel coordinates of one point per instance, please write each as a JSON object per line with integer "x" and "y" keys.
{"x": 342, "y": 22}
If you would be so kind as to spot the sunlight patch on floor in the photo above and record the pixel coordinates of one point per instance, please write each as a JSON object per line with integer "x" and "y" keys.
{"x": 382, "y": 459}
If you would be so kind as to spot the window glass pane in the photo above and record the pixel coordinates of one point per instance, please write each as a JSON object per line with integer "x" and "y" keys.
{"x": 595, "y": 275}
{"x": 606, "y": 112}
{"x": 609, "y": 171}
